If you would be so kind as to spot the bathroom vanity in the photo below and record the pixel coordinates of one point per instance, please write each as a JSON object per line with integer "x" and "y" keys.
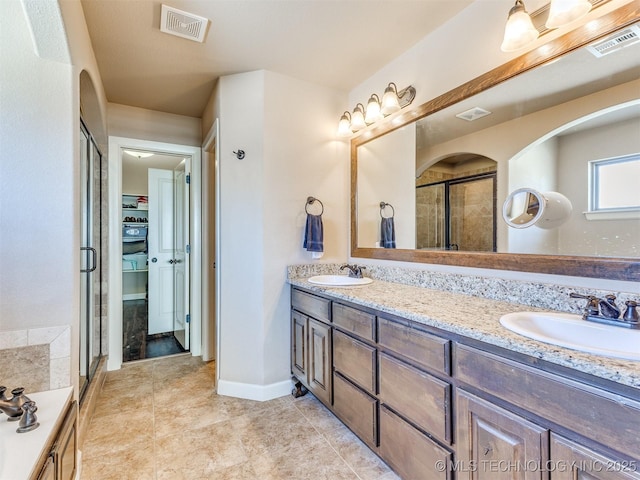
{"x": 432, "y": 383}
{"x": 50, "y": 451}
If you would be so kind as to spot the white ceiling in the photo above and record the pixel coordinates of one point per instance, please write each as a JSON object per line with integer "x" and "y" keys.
{"x": 336, "y": 43}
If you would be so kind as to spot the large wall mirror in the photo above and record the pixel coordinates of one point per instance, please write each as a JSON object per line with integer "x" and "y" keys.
{"x": 562, "y": 136}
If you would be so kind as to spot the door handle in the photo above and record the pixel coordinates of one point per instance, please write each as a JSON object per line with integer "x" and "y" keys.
{"x": 154, "y": 260}
{"x": 94, "y": 259}
{"x": 171, "y": 262}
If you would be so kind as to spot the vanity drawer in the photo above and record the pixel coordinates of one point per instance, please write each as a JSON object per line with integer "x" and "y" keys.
{"x": 413, "y": 455}
{"x": 356, "y": 409}
{"x": 421, "y": 398}
{"x": 355, "y": 360}
{"x": 318, "y": 308}
{"x": 355, "y": 321}
{"x": 610, "y": 418}
{"x": 424, "y": 349}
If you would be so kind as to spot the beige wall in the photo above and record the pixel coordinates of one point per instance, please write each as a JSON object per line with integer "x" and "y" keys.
{"x": 287, "y": 129}
{"x": 143, "y": 124}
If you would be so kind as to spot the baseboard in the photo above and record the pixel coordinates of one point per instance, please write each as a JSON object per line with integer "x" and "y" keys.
{"x": 250, "y": 391}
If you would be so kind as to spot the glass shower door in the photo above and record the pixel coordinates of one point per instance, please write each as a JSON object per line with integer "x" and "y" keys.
{"x": 90, "y": 267}
{"x": 472, "y": 215}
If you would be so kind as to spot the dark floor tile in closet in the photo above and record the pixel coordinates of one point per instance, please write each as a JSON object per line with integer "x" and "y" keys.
{"x": 136, "y": 344}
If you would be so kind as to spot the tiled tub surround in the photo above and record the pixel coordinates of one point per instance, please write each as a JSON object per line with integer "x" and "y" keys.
{"x": 38, "y": 359}
{"x": 472, "y": 307}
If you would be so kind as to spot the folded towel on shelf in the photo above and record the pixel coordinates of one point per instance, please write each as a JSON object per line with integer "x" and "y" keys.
{"x": 387, "y": 233}
{"x": 313, "y": 234}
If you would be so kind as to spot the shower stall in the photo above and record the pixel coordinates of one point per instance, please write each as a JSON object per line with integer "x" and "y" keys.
{"x": 457, "y": 214}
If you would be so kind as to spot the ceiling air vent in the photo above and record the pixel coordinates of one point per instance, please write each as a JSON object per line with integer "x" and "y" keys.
{"x": 473, "y": 114}
{"x": 183, "y": 24}
{"x": 616, "y": 42}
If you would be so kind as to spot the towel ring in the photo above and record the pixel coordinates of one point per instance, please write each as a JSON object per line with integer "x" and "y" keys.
{"x": 382, "y": 207}
{"x": 310, "y": 200}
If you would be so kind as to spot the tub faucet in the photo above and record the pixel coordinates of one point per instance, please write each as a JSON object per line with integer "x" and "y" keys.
{"x": 354, "y": 270}
{"x": 13, "y": 406}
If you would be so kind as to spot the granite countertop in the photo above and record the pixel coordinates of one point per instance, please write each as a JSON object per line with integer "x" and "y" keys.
{"x": 19, "y": 452}
{"x": 477, "y": 318}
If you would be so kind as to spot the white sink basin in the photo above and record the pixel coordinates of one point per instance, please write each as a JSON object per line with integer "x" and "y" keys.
{"x": 571, "y": 331}
{"x": 339, "y": 280}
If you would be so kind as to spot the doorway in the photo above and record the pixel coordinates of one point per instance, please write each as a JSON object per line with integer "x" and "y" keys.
{"x": 155, "y": 240}
{"x": 155, "y": 274}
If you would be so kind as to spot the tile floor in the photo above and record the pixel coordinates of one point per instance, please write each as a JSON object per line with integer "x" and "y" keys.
{"x": 160, "y": 419}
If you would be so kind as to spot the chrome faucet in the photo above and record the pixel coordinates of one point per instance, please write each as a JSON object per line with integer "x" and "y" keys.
{"x": 13, "y": 406}
{"x": 354, "y": 270}
{"x": 606, "y": 311}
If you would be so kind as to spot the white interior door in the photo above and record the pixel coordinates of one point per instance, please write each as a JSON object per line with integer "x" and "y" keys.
{"x": 161, "y": 251}
{"x": 181, "y": 253}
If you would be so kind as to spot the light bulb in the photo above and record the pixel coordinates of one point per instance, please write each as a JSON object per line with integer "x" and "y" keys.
{"x": 373, "y": 110}
{"x": 390, "y": 103}
{"x": 344, "y": 126}
{"x": 357, "y": 118}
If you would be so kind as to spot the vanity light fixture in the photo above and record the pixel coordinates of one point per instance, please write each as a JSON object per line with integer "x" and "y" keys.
{"x": 373, "y": 110}
{"x": 392, "y": 101}
{"x": 522, "y": 28}
{"x": 563, "y": 12}
{"x": 519, "y": 30}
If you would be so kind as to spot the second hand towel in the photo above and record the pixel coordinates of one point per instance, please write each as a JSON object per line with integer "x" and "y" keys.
{"x": 387, "y": 233}
{"x": 313, "y": 234}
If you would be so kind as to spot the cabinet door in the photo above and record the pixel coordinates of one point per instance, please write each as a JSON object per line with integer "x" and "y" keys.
{"x": 495, "y": 444}
{"x": 571, "y": 461}
{"x": 319, "y": 371}
{"x": 48, "y": 471}
{"x": 299, "y": 346}
{"x": 66, "y": 446}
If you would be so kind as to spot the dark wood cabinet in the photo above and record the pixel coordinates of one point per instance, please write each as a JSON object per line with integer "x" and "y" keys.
{"x": 299, "y": 345}
{"x": 355, "y": 360}
{"x": 410, "y": 452}
{"x": 356, "y": 408}
{"x": 435, "y": 405}
{"x": 311, "y": 343}
{"x": 495, "y": 444}
{"x": 572, "y": 461}
{"x": 421, "y": 398}
{"x": 319, "y": 372}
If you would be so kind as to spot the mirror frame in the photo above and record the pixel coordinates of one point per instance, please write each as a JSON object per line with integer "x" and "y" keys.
{"x": 612, "y": 268}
